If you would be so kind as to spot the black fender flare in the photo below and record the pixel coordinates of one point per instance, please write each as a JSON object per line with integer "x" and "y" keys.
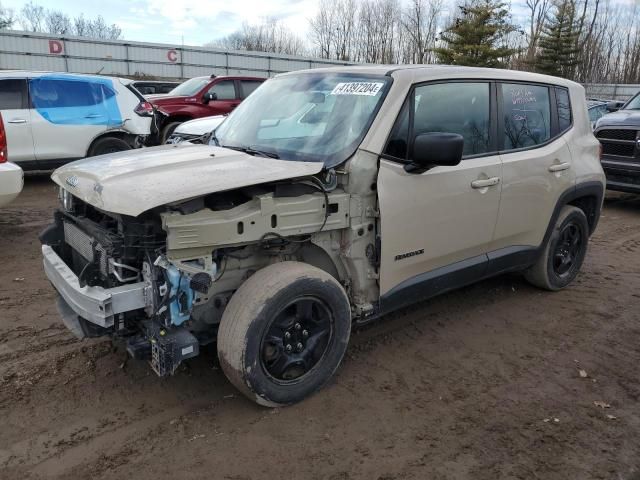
{"x": 581, "y": 190}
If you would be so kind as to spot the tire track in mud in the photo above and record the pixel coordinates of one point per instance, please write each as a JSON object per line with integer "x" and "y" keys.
{"x": 43, "y": 367}
{"x": 22, "y": 341}
{"x": 15, "y": 219}
{"x": 84, "y": 444}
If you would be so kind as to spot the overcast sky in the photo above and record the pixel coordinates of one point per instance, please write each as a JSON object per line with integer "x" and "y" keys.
{"x": 199, "y": 21}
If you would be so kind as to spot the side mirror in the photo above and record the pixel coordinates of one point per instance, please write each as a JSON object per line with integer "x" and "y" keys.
{"x": 209, "y": 97}
{"x": 613, "y": 106}
{"x": 435, "y": 149}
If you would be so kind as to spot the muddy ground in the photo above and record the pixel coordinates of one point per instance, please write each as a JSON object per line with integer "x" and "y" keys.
{"x": 482, "y": 383}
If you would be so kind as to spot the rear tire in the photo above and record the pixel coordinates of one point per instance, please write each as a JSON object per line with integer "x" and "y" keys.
{"x": 284, "y": 333}
{"x": 563, "y": 253}
{"x": 107, "y": 145}
{"x": 168, "y": 130}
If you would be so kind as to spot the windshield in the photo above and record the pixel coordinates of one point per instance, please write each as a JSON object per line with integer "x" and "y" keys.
{"x": 190, "y": 87}
{"x": 634, "y": 103}
{"x": 314, "y": 117}
{"x": 597, "y": 110}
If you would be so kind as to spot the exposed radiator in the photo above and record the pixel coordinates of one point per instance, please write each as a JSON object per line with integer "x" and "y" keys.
{"x": 84, "y": 245}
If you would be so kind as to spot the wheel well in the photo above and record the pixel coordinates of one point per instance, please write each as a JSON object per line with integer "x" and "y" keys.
{"x": 589, "y": 205}
{"x": 316, "y": 256}
{"x": 127, "y": 137}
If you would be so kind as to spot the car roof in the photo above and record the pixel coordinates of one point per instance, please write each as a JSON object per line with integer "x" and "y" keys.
{"x": 420, "y": 72}
{"x": 154, "y": 82}
{"x": 215, "y": 77}
{"x": 35, "y": 74}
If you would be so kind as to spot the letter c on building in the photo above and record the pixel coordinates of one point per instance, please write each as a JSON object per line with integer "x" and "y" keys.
{"x": 172, "y": 55}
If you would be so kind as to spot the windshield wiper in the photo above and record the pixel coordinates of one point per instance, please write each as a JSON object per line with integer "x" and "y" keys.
{"x": 253, "y": 151}
{"x": 212, "y": 136}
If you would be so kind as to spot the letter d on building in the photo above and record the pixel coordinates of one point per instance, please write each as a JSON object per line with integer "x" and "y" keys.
{"x": 55, "y": 47}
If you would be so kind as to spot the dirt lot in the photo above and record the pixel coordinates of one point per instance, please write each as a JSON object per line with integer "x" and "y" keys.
{"x": 483, "y": 383}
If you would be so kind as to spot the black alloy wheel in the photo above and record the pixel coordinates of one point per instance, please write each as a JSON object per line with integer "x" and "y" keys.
{"x": 567, "y": 249}
{"x": 297, "y": 339}
{"x": 563, "y": 251}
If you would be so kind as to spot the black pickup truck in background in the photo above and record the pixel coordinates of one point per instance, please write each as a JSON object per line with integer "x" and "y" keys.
{"x": 619, "y": 134}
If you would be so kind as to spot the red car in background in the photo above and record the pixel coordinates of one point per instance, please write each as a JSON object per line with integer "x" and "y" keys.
{"x": 201, "y": 97}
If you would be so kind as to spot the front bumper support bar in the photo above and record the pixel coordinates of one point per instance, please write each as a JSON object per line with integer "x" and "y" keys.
{"x": 95, "y": 304}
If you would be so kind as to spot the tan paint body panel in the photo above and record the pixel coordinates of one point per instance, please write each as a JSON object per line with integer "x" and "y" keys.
{"x": 530, "y": 193}
{"x": 133, "y": 182}
{"x": 437, "y": 211}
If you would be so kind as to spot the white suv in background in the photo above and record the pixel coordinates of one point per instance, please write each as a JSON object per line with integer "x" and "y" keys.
{"x": 11, "y": 176}
{"x": 54, "y": 118}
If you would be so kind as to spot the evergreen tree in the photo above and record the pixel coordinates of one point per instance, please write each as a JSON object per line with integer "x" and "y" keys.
{"x": 478, "y": 36}
{"x": 6, "y": 17}
{"x": 557, "y": 54}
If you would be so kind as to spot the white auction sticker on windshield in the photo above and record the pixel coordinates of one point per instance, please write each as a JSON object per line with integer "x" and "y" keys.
{"x": 358, "y": 88}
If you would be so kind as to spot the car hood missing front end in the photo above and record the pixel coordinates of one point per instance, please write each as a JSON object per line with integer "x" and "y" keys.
{"x": 130, "y": 183}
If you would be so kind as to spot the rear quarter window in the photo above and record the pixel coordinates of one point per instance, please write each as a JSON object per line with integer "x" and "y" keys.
{"x": 13, "y": 94}
{"x": 563, "y": 105}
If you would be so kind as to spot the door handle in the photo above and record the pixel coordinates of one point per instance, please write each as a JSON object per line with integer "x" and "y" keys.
{"x": 558, "y": 167}
{"x": 17, "y": 120}
{"x": 485, "y": 182}
{"x": 93, "y": 115}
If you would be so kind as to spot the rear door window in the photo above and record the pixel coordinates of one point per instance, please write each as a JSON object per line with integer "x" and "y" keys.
{"x": 75, "y": 101}
{"x": 13, "y": 94}
{"x": 224, "y": 90}
{"x": 526, "y": 115}
{"x": 248, "y": 86}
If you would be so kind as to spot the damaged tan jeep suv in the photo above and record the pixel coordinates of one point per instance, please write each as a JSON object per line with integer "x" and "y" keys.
{"x": 325, "y": 200}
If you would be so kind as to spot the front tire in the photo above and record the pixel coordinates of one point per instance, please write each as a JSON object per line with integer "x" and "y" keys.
{"x": 284, "y": 333}
{"x": 563, "y": 253}
{"x": 107, "y": 145}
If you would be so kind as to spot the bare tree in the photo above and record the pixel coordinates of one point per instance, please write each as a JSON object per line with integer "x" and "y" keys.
{"x": 35, "y": 18}
{"x": 322, "y": 28}
{"x": 538, "y": 10}
{"x": 268, "y": 36}
{"x": 57, "y": 23}
{"x": 344, "y": 32}
{"x": 97, "y": 28}
{"x": 420, "y": 21}
{"x": 376, "y": 30}
{"x": 32, "y": 17}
